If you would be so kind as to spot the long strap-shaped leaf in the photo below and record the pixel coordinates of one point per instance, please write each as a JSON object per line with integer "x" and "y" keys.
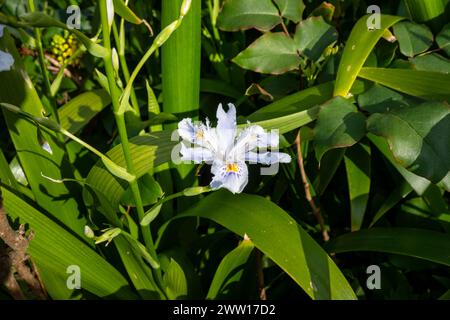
{"x": 16, "y": 88}
{"x": 360, "y": 43}
{"x": 423, "y": 244}
{"x": 278, "y": 236}
{"x": 418, "y": 83}
{"x": 54, "y": 249}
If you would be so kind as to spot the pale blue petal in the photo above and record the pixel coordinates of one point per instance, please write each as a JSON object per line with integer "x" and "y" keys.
{"x": 187, "y": 130}
{"x": 226, "y": 127}
{"x": 196, "y": 155}
{"x": 233, "y": 181}
{"x": 267, "y": 157}
{"x": 6, "y": 61}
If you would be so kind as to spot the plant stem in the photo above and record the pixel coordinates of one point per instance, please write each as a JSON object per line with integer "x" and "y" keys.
{"x": 119, "y": 38}
{"x": 121, "y": 126}
{"x": 37, "y": 33}
{"x": 310, "y": 199}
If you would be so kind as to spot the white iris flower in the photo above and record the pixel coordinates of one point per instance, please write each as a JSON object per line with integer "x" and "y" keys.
{"x": 227, "y": 149}
{"x": 6, "y": 59}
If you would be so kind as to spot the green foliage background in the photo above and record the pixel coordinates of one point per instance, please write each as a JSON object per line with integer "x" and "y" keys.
{"x": 364, "y": 96}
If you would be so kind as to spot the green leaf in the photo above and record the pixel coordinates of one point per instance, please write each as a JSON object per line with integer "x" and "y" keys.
{"x": 443, "y": 39}
{"x": 419, "y": 146}
{"x": 339, "y": 124}
{"x": 122, "y": 10}
{"x": 17, "y": 88}
{"x": 291, "y": 9}
{"x": 328, "y": 167}
{"x": 53, "y": 249}
{"x": 241, "y": 15}
{"x": 279, "y": 237}
{"x": 432, "y": 62}
{"x": 413, "y": 38}
{"x": 150, "y": 192}
{"x": 273, "y": 53}
{"x": 230, "y": 269}
{"x": 380, "y": 99}
{"x": 151, "y": 214}
{"x": 423, "y": 244}
{"x": 139, "y": 273}
{"x": 313, "y": 35}
{"x": 419, "y": 184}
{"x": 175, "y": 280}
{"x": 433, "y": 12}
{"x": 358, "y": 47}
{"x": 357, "y": 165}
{"x": 77, "y": 113}
{"x": 422, "y": 84}
{"x": 400, "y": 192}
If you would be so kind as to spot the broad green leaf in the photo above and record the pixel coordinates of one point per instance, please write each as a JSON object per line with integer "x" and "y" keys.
{"x": 291, "y": 9}
{"x": 423, "y": 244}
{"x": 419, "y": 184}
{"x": 279, "y": 237}
{"x": 241, "y": 15}
{"x": 358, "y": 47}
{"x": 413, "y": 38}
{"x": 54, "y": 249}
{"x": 443, "y": 39}
{"x": 77, "y": 113}
{"x": 380, "y": 99}
{"x": 313, "y": 35}
{"x": 339, "y": 125}
{"x": 219, "y": 87}
{"x": 273, "y": 53}
{"x": 17, "y": 88}
{"x": 422, "y": 84}
{"x": 230, "y": 269}
{"x": 175, "y": 280}
{"x": 419, "y": 146}
{"x": 432, "y": 62}
{"x": 358, "y": 168}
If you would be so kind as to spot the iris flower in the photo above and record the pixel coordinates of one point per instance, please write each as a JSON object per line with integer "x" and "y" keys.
{"x": 227, "y": 149}
{"x": 6, "y": 59}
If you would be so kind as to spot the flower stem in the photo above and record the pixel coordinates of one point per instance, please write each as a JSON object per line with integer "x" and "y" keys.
{"x": 121, "y": 126}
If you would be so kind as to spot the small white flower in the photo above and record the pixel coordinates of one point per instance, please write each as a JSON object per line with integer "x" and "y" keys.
{"x": 6, "y": 59}
{"x": 226, "y": 149}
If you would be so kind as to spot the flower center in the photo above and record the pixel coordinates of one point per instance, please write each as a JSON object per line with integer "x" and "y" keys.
{"x": 199, "y": 134}
{"x": 232, "y": 167}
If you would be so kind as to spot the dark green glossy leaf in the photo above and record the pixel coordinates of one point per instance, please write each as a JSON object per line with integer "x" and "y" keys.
{"x": 273, "y": 53}
{"x": 291, "y": 9}
{"x": 313, "y": 35}
{"x": 240, "y": 15}
{"x": 421, "y": 147}
{"x": 339, "y": 125}
{"x": 413, "y": 38}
